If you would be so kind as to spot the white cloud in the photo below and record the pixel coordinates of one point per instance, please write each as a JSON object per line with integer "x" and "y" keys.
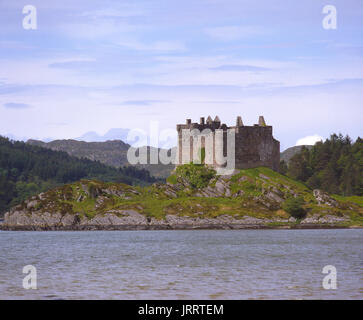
{"x": 309, "y": 140}
{"x": 161, "y": 46}
{"x": 15, "y": 105}
{"x": 230, "y": 33}
{"x": 124, "y": 10}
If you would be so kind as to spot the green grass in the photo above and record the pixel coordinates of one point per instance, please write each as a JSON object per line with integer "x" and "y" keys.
{"x": 195, "y": 207}
{"x": 254, "y": 181}
{"x": 358, "y": 200}
{"x": 86, "y": 207}
{"x": 356, "y": 218}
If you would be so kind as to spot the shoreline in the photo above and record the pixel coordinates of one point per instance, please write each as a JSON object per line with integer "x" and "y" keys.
{"x": 174, "y": 227}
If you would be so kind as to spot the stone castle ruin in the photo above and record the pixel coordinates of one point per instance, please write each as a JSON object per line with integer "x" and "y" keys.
{"x": 212, "y": 142}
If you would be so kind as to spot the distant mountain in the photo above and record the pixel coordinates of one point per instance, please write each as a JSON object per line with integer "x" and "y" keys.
{"x": 290, "y": 152}
{"x": 22, "y": 138}
{"x": 113, "y": 153}
{"x": 112, "y": 134}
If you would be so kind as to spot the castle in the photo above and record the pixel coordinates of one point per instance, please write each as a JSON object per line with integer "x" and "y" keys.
{"x": 254, "y": 146}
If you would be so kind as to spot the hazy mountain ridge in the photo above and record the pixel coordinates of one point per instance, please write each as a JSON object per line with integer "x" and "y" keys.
{"x": 112, "y": 134}
{"x": 112, "y": 153}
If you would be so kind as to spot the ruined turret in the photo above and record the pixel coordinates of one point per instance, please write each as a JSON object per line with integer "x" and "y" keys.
{"x": 239, "y": 122}
{"x": 261, "y": 121}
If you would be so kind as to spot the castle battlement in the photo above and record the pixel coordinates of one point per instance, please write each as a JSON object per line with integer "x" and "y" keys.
{"x": 216, "y": 124}
{"x": 255, "y": 145}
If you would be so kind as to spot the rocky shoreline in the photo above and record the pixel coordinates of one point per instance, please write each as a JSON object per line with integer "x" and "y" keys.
{"x": 176, "y": 227}
{"x": 132, "y": 220}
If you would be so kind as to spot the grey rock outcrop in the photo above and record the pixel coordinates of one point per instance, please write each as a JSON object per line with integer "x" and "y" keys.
{"x": 323, "y": 198}
{"x": 327, "y": 219}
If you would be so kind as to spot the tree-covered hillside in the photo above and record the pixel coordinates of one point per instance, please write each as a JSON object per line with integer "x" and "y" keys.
{"x": 26, "y": 170}
{"x": 335, "y": 166}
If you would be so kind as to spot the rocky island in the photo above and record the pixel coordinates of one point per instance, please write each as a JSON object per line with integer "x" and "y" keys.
{"x": 194, "y": 197}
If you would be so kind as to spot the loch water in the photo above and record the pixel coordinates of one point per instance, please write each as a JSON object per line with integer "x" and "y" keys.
{"x": 199, "y": 264}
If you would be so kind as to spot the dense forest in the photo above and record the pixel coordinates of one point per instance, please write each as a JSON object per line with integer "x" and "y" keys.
{"x": 26, "y": 170}
{"x": 335, "y": 166}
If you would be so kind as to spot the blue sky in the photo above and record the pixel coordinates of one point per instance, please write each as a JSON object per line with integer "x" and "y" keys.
{"x": 98, "y": 65}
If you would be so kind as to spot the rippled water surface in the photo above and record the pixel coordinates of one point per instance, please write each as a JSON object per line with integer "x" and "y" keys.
{"x": 245, "y": 264}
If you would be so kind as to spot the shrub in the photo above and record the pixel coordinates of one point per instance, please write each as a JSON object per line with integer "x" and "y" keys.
{"x": 196, "y": 175}
{"x": 295, "y": 207}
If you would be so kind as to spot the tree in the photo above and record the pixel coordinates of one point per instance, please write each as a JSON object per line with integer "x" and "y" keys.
{"x": 299, "y": 167}
{"x": 283, "y": 167}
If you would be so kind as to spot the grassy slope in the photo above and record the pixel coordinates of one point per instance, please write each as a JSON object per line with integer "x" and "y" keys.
{"x": 153, "y": 202}
{"x": 353, "y": 199}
